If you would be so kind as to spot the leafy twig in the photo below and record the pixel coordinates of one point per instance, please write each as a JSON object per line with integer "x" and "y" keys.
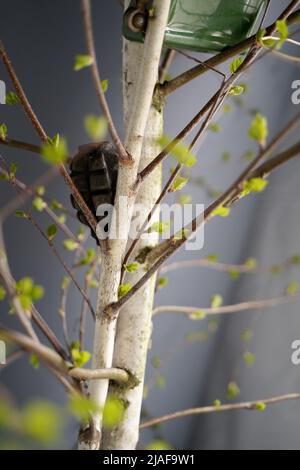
{"x": 88, "y": 29}
{"x": 258, "y": 405}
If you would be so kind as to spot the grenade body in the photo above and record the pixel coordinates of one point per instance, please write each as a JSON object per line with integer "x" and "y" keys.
{"x": 94, "y": 171}
{"x": 199, "y": 25}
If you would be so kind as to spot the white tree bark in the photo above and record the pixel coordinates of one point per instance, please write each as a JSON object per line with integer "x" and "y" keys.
{"x": 135, "y": 320}
{"x": 112, "y": 259}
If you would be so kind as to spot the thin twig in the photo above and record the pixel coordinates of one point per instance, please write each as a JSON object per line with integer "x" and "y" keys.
{"x": 250, "y": 405}
{"x": 61, "y": 260}
{"x": 166, "y": 64}
{"x": 43, "y": 136}
{"x": 148, "y": 218}
{"x": 30, "y": 192}
{"x": 54, "y": 360}
{"x": 89, "y": 37}
{"x": 18, "y": 201}
{"x": 275, "y": 162}
{"x": 229, "y": 53}
{"x": 211, "y": 106}
{"x": 13, "y": 357}
{"x": 17, "y": 144}
{"x": 225, "y": 309}
{"x": 169, "y": 247}
{"x": 223, "y": 267}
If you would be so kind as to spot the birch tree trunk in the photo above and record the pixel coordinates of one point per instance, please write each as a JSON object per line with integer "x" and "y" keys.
{"x": 135, "y": 320}
{"x": 140, "y": 70}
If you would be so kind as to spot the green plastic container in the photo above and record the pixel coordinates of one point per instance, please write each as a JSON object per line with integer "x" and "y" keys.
{"x": 207, "y": 25}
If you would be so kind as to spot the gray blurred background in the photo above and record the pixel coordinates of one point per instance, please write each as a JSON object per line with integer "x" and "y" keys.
{"x": 42, "y": 38}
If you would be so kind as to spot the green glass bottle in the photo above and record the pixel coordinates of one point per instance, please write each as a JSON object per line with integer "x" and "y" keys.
{"x": 206, "y": 25}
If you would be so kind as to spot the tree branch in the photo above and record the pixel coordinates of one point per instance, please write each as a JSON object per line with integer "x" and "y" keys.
{"x": 169, "y": 247}
{"x": 274, "y": 163}
{"x": 21, "y": 145}
{"x": 173, "y": 85}
{"x": 43, "y": 136}
{"x": 54, "y": 360}
{"x": 225, "y": 309}
{"x": 125, "y": 158}
{"x": 250, "y": 405}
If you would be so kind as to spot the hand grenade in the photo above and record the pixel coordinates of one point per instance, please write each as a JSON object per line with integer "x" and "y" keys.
{"x": 94, "y": 171}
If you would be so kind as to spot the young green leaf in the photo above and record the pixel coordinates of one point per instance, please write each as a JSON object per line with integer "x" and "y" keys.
{"x": 12, "y": 98}
{"x": 214, "y": 127}
{"x": 70, "y": 245}
{"x": 226, "y": 157}
{"x": 55, "y": 205}
{"x": 292, "y": 288}
{"x": 80, "y": 358}
{"x": 51, "y": 231}
{"x": 235, "y": 64}
{"x": 40, "y": 190}
{"x": 162, "y": 283}
{"x": 12, "y": 170}
{"x": 55, "y": 151}
{"x": 217, "y": 403}
{"x": 160, "y": 227}
{"x": 237, "y": 90}
{"x": 28, "y": 292}
{"x": 3, "y": 131}
{"x": 34, "y": 361}
{"x": 42, "y": 421}
{"x": 295, "y": 259}
{"x": 247, "y": 335}
{"x": 82, "y": 61}
{"x": 37, "y": 292}
{"x": 259, "y": 129}
{"x": 21, "y": 214}
{"x": 197, "y": 315}
{"x": 221, "y": 211}
{"x": 256, "y": 185}
{"x": 260, "y": 406}
{"x": 82, "y": 407}
{"x": 234, "y": 274}
{"x": 249, "y": 358}
{"x": 185, "y": 199}
{"x": 131, "y": 268}
{"x": 89, "y": 258}
{"x": 39, "y": 204}
{"x": 123, "y": 290}
{"x": 282, "y": 28}
{"x": 161, "y": 382}
{"x": 233, "y": 390}
{"x": 104, "y": 85}
{"x": 2, "y": 293}
{"x": 216, "y": 301}
{"x": 179, "y": 183}
{"x": 96, "y": 126}
{"x": 251, "y": 263}
{"x": 158, "y": 444}
{"x": 179, "y": 151}
{"x": 113, "y": 412}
